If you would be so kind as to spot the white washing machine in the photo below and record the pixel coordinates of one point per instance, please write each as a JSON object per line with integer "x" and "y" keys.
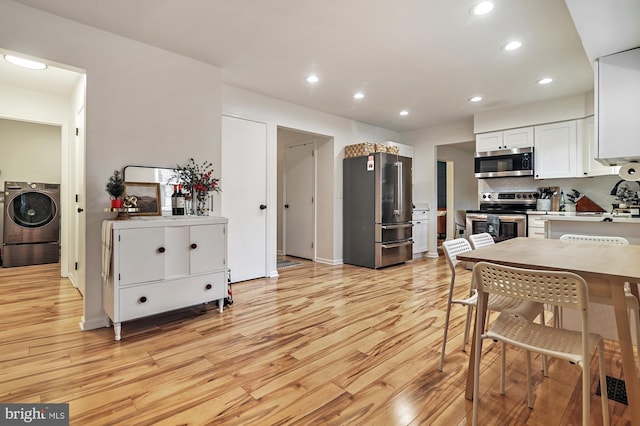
{"x": 31, "y": 223}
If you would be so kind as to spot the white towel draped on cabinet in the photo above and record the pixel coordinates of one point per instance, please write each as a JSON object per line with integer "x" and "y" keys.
{"x": 107, "y": 236}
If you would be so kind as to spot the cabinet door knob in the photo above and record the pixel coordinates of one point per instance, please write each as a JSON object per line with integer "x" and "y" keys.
{"x": 143, "y": 299}
{"x": 161, "y": 250}
{"x": 208, "y": 287}
{"x": 194, "y": 246}
{"x": 262, "y": 206}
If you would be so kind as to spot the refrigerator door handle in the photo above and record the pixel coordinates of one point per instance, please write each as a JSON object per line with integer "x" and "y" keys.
{"x": 398, "y": 210}
{"x": 402, "y": 225}
{"x": 400, "y": 244}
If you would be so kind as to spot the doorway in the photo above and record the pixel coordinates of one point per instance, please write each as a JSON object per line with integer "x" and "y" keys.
{"x": 298, "y": 192}
{"x": 30, "y": 98}
{"x": 457, "y": 188}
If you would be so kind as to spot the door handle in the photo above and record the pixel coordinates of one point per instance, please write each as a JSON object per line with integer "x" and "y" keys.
{"x": 286, "y": 206}
{"x": 394, "y": 245}
{"x": 404, "y": 225}
{"x": 80, "y": 210}
{"x": 262, "y": 207}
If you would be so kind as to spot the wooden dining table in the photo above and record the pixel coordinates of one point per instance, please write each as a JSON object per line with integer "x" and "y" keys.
{"x": 604, "y": 267}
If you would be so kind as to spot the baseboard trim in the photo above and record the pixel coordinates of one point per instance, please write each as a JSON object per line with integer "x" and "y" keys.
{"x": 329, "y": 261}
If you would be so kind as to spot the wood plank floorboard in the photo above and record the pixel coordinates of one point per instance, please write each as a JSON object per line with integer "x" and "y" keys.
{"x": 319, "y": 345}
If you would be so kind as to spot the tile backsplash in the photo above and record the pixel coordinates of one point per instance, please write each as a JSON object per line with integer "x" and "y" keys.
{"x": 597, "y": 188}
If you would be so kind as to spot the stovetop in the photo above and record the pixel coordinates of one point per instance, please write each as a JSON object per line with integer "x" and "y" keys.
{"x": 517, "y": 202}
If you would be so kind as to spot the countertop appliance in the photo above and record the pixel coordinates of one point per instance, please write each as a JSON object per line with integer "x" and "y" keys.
{"x": 31, "y": 223}
{"x": 504, "y": 163}
{"x": 377, "y": 210}
{"x": 502, "y": 214}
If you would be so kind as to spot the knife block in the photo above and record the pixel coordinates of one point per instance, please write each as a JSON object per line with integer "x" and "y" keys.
{"x": 585, "y": 204}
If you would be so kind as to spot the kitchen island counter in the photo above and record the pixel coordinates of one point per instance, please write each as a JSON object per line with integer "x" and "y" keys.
{"x": 569, "y": 223}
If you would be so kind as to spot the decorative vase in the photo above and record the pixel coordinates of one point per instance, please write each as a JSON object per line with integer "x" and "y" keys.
{"x": 200, "y": 203}
{"x": 116, "y": 203}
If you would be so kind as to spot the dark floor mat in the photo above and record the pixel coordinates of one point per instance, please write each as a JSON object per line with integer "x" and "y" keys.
{"x": 616, "y": 390}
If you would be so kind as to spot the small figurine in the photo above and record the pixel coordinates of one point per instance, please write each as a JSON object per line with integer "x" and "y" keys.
{"x": 130, "y": 201}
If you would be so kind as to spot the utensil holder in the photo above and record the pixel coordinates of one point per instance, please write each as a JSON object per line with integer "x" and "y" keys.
{"x": 543, "y": 204}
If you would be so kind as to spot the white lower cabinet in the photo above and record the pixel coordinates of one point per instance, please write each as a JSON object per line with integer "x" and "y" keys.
{"x": 420, "y": 232}
{"x": 535, "y": 225}
{"x": 160, "y": 265}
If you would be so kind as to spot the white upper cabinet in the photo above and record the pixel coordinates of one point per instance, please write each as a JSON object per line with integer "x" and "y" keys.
{"x": 518, "y": 138}
{"x": 555, "y": 154}
{"x": 617, "y": 105}
{"x": 588, "y": 151}
{"x": 506, "y": 139}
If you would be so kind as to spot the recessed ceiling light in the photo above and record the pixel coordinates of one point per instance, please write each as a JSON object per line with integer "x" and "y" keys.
{"x": 545, "y": 80}
{"x": 482, "y": 8}
{"x": 512, "y": 45}
{"x": 25, "y": 63}
{"x": 404, "y": 112}
{"x": 312, "y": 78}
{"x": 358, "y": 95}
{"x": 475, "y": 99}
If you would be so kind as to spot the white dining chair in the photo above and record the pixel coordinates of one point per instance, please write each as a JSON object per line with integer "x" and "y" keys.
{"x": 481, "y": 240}
{"x": 633, "y": 306}
{"x": 564, "y": 289}
{"x": 528, "y": 310}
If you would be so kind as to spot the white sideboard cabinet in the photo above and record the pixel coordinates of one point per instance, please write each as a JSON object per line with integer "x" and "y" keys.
{"x": 161, "y": 264}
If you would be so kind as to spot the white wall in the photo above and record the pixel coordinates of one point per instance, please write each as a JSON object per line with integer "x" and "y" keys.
{"x": 276, "y": 113}
{"x": 144, "y": 106}
{"x": 425, "y": 160}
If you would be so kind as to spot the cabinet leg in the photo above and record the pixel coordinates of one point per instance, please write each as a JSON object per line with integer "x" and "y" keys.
{"x": 220, "y": 305}
{"x": 117, "y": 327}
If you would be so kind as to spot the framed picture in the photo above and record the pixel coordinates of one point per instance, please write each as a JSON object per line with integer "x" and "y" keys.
{"x": 147, "y": 197}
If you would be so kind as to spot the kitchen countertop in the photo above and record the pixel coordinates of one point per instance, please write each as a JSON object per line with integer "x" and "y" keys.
{"x": 588, "y": 217}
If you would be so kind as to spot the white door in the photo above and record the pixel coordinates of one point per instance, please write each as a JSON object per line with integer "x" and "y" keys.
{"x": 244, "y": 196}
{"x": 299, "y": 201}
{"x": 77, "y": 270}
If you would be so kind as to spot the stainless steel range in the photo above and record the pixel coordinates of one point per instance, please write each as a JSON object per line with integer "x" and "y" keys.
{"x": 502, "y": 214}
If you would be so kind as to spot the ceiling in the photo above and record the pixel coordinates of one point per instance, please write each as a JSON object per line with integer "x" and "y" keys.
{"x": 425, "y": 56}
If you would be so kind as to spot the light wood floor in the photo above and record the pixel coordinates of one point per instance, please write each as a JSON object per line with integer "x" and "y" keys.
{"x": 318, "y": 345}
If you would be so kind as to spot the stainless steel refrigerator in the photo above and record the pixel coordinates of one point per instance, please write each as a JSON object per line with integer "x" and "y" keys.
{"x": 377, "y": 208}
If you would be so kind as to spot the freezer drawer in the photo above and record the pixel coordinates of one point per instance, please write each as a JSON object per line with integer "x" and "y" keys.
{"x": 393, "y": 253}
{"x": 393, "y": 232}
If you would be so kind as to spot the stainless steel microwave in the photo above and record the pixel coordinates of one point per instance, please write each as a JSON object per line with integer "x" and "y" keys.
{"x": 504, "y": 163}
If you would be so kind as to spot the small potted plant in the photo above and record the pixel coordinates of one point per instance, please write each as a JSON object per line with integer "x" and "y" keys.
{"x": 115, "y": 189}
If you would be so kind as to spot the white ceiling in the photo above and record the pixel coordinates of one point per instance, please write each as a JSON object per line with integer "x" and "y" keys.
{"x": 425, "y": 56}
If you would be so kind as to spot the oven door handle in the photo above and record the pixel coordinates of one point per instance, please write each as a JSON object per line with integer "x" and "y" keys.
{"x": 403, "y": 225}
{"x": 507, "y": 218}
{"x": 394, "y": 245}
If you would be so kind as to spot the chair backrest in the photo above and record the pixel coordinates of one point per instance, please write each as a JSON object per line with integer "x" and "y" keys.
{"x": 481, "y": 240}
{"x": 594, "y": 239}
{"x": 557, "y": 288}
{"x": 453, "y": 248}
